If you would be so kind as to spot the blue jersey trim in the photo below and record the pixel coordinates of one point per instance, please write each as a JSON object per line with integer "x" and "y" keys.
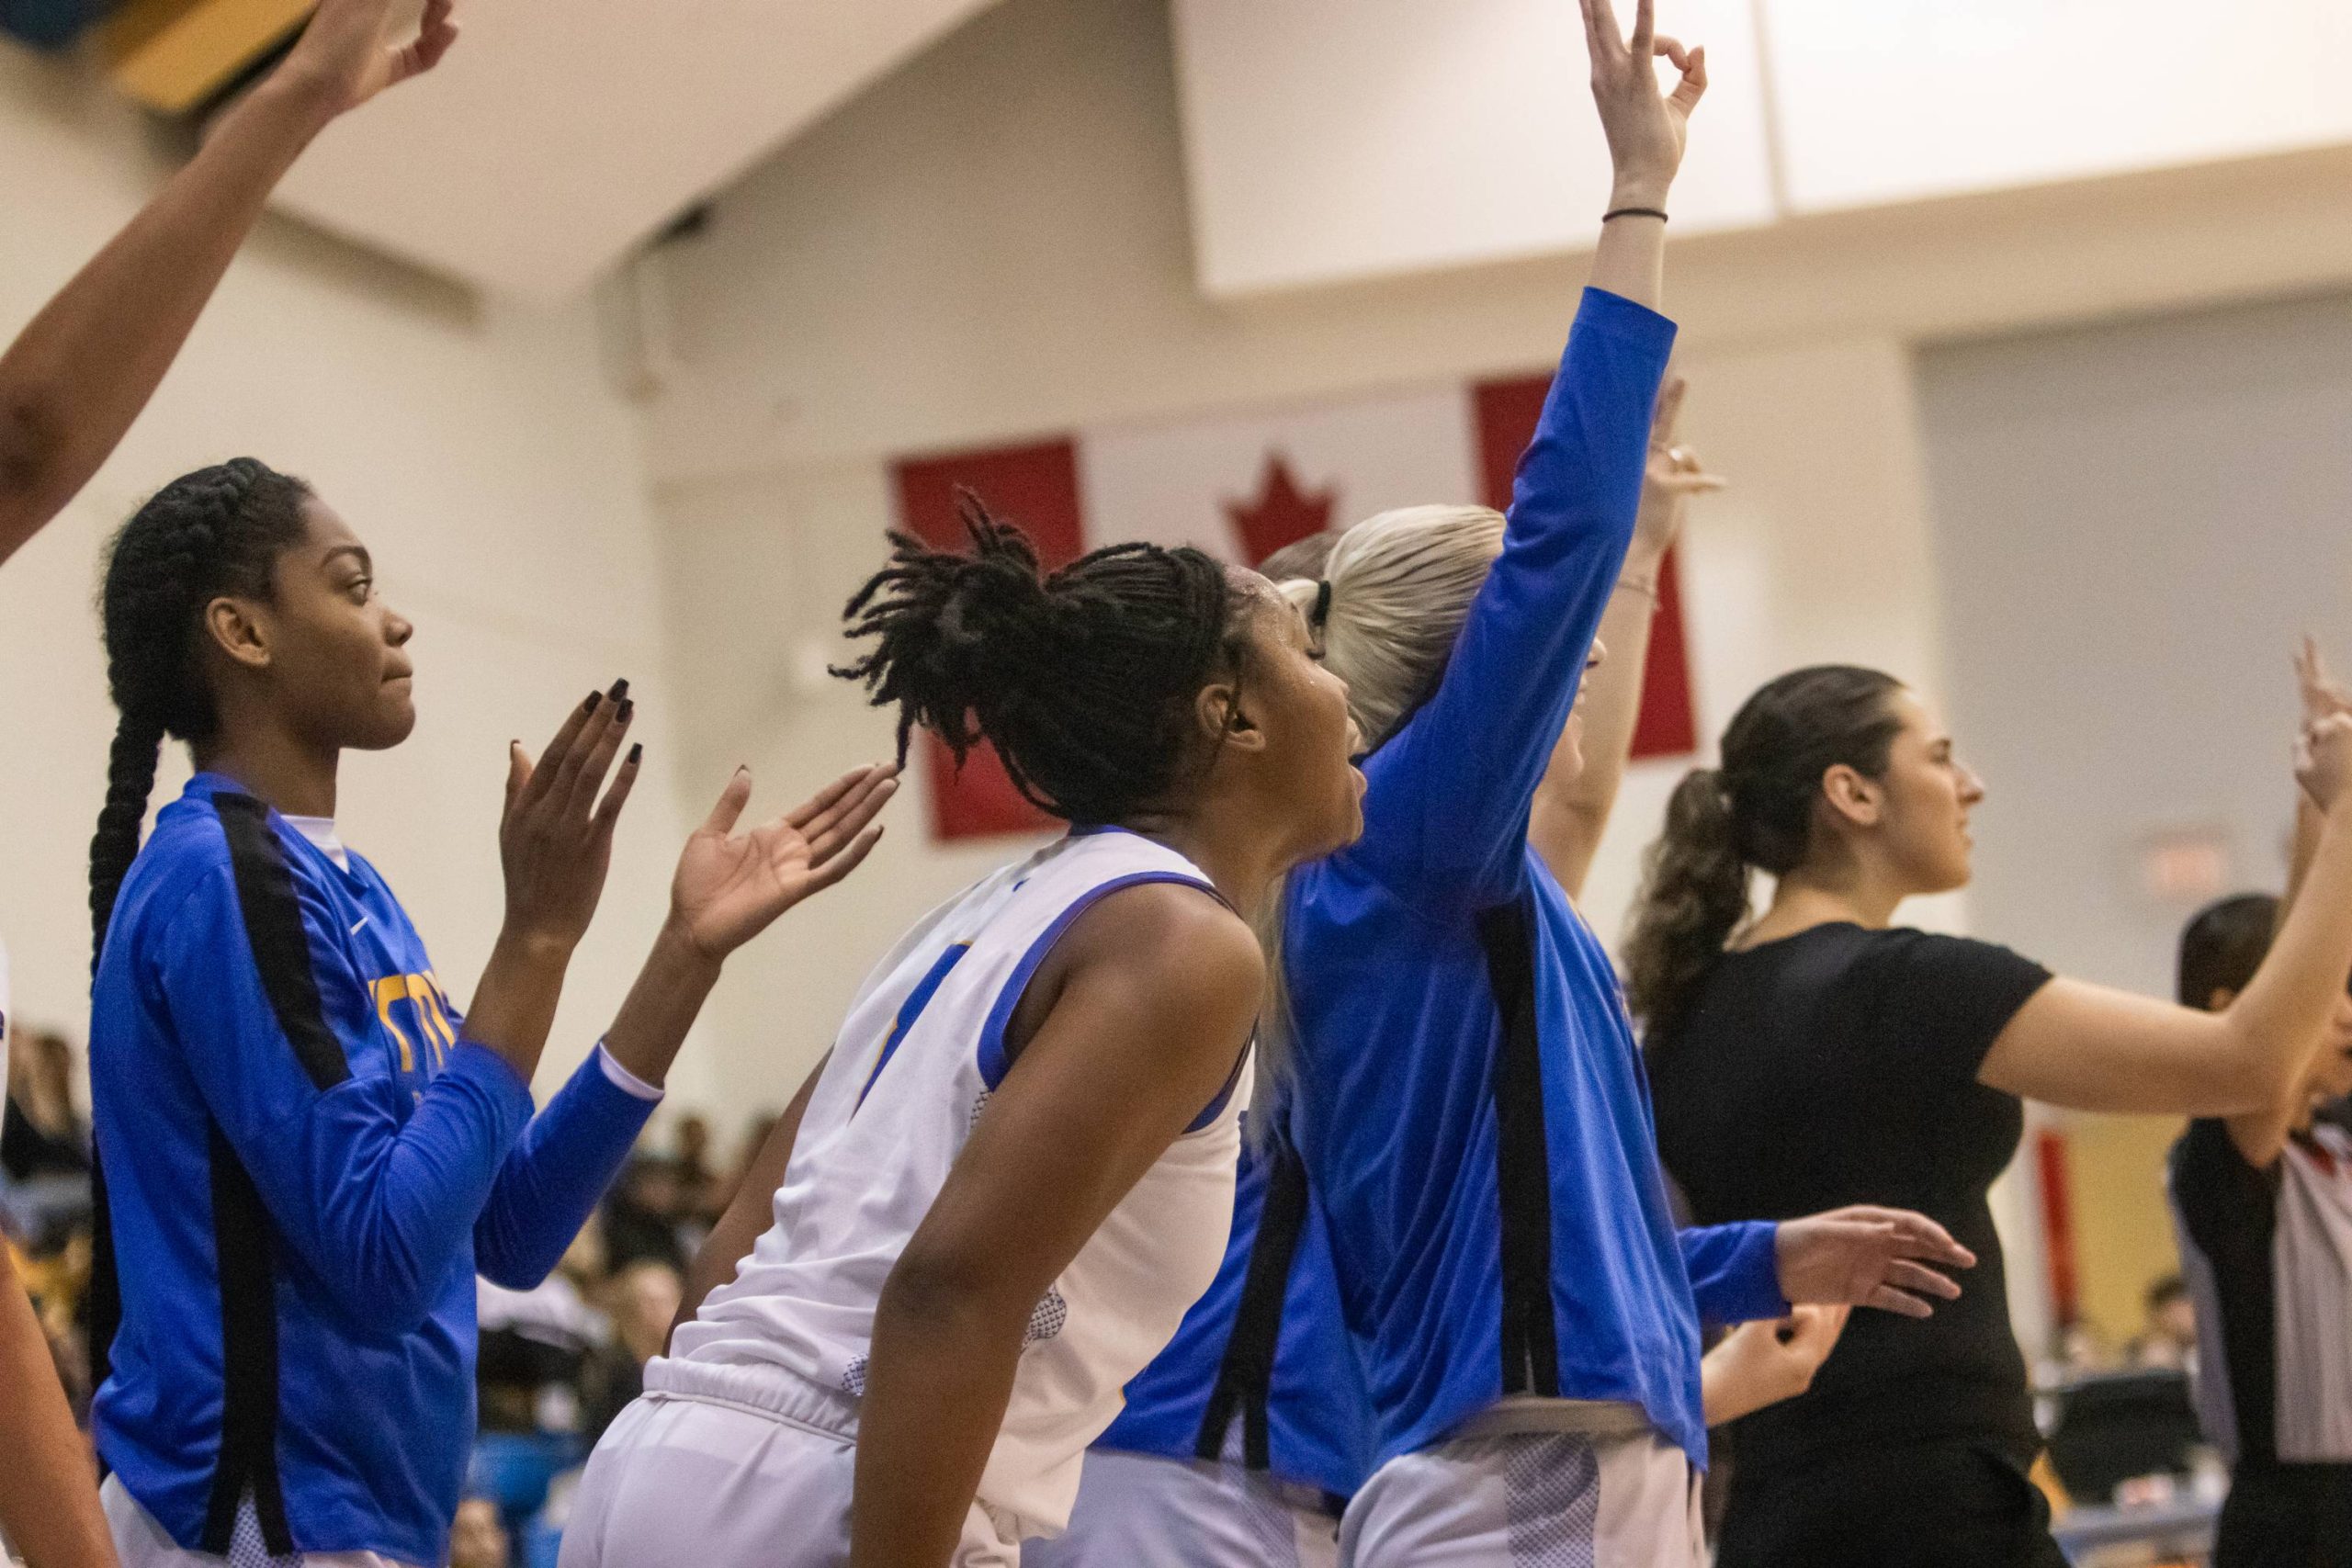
{"x": 910, "y": 1010}
{"x": 994, "y": 1063}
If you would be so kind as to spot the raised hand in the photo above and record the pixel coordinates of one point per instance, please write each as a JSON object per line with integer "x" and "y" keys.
{"x": 348, "y": 54}
{"x": 1646, "y": 128}
{"x": 2324, "y": 759}
{"x": 2322, "y": 694}
{"x": 555, "y": 838}
{"x": 729, "y": 885}
{"x": 1672, "y": 476}
{"x": 1866, "y": 1255}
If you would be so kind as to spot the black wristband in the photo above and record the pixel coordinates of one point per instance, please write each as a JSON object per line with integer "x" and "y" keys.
{"x": 1634, "y": 212}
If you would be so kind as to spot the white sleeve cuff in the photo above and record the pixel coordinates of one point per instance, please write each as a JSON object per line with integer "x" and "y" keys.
{"x": 621, "y": 1078}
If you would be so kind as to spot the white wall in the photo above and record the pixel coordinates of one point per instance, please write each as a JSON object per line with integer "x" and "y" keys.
{"x": 994, "y": 244}
{"x": 2136, "y": 522}
{"x": 474, "y": 450}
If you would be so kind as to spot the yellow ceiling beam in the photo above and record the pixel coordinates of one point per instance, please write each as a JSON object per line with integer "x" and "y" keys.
{"x": 174, "y": 54}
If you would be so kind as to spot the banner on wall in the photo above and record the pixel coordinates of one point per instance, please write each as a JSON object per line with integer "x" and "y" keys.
{"x": 1241, "y": 486}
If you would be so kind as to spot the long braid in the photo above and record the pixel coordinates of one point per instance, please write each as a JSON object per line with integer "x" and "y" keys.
{"x": 217, "y": 531}
{"x": 1082, "y": 679}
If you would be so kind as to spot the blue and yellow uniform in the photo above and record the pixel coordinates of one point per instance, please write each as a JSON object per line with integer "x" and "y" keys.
{"x": 305, "y": 1162}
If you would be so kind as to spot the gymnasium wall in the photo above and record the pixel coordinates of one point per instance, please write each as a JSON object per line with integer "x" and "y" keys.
{"x": 2153, "y": 508}
{"x": 477, "y": 453}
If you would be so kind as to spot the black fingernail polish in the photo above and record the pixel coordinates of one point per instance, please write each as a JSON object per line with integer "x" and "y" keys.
{"x": 627, "y": 707}
{"x": 636, "y": 753}
{"x": 620, "y": 689}
{"x": 590, "y": 705}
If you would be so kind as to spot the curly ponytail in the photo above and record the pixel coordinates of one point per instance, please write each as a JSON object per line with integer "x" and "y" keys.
{"x": 1757, "y": 811}
{"x": 1694, "y": 895}
{"x": 1083, "y": 681}
{"x": 216, "y": 530}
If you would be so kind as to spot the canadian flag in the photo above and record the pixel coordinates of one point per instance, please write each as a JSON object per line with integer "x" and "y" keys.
{"x": 1241, "y": 486}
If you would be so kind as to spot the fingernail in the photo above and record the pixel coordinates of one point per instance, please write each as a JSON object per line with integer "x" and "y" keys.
{"x": 627, "y": 707}
{"x": 590, "y": 705}
{"x": 620, "y": 689}
{"x": 743, "y": 767}
{"x": 636, "y": 753}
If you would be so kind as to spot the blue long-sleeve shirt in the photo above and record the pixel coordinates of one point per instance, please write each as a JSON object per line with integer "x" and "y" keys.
{"x": 305, "y": 1161}
{"x": 1262, "y": 1365}
{"x": 1471, "y": 1106}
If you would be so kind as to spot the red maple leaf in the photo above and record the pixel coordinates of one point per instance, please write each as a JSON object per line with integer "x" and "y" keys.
{"x": 1282, "y": 513}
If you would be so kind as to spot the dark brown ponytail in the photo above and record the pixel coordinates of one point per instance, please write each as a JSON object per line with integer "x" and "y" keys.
{"x": 1756, "y": 812}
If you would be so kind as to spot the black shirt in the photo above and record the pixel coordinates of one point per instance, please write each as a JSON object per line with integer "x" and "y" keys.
{"x": 1838, "y": 1065}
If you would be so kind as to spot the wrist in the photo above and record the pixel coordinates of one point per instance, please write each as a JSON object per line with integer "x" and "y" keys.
{"x": 300, "y": 95}
{"x": 677, "y": 955}
{"x": 522, "y": 943}
{"x": 1639, "y": 191}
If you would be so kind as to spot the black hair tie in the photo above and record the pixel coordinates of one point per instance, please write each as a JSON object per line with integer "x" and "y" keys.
{"x": 1322, "y": 611}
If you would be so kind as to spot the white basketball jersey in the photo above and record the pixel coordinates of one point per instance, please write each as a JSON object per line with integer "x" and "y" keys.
{"x": 912, "y": 1068}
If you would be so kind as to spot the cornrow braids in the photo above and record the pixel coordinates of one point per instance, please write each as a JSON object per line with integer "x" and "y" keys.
{"x": 1083, "y": 679}
{"x": 216, "y": 530}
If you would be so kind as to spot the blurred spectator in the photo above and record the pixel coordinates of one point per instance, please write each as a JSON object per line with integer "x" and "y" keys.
{"x": 642, "y": 1217}
{"x": 43, "y": 1134}
{"x": 2169, "y": 1339}
{"x": 536, "y": 1343}
{"x": 478, "y": 1537}
{"x": 703, "y": 1192}
{"x": 643, "y": 1299}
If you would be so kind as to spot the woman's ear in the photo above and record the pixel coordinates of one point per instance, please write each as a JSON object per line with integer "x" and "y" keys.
{"x": 1852, "y": 795}
{"x": 1224, "y": 719}
{"x": 233, "y": 627}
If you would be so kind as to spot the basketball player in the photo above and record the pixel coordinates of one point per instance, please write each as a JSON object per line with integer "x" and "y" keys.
{"x": 1015, "y": 1170}
{"x": 306, "y": 1151}
{"x": 1468, "y": 1100}
{"x": 71, "y": 384}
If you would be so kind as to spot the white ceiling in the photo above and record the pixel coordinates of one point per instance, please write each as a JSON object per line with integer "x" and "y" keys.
{"x": 561, "y": 133}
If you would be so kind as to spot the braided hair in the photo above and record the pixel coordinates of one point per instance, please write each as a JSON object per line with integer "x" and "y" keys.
{"x": 1756, "y": 811}
{"x": 1083, "y": 679}
{"x": 217, "y": 531}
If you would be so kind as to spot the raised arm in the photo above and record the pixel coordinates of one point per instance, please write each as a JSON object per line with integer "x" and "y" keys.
{"x": 1157, "y": 1003}
{"x": 1447, "y": 811}
{"x": 1580, "y": 788}
{"x": 729, "y": 888}
{"x": 80, "y": 372}
{"x": 2261, "y": 1135}
{"x": 2094, "y": 1049}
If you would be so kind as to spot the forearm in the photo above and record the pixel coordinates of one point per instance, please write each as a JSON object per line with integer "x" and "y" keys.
{"x": 79, "y": 374}
{"x": 2278, "y": 1023}
{"x": 941, "y": 1375}
{"x": 1734, "y": 1272}
{"x": 514, "y": 1007}
{"x": 2261, "y": 1135}
{"x": 49, "y": 1493}
{"x": 1580, "y": 788}
{"x": 661, "y": 1007}
{"x": 559, "y": 1170}
{"x": 1630, "y": 259}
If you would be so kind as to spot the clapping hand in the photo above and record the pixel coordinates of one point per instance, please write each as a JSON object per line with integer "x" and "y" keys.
{"x": 730, "y": 886}
{"x": 1866, "y": 1255}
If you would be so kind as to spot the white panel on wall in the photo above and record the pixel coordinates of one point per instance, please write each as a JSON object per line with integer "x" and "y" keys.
{"x": 1336, "y": 139}
{"x": 1879, "y": 102}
